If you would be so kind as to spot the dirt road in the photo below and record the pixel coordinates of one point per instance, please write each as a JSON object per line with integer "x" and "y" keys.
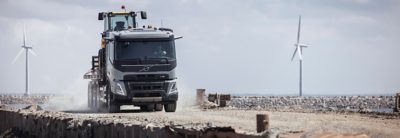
{"x": 280, "y": 122}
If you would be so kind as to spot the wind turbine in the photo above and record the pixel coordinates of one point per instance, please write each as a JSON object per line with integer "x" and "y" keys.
{"x": 299, "y": 50}
{"x": 27, "y": 49}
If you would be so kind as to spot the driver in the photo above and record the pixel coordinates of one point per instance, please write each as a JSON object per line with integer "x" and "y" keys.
{"x": 159, "y": 52}
{"x": 120, "y": 26}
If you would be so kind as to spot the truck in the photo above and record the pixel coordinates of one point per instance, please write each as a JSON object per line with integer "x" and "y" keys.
{"x": 135, "y": 65}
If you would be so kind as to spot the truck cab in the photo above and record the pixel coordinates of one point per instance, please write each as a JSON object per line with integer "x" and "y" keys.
{"x": 135, "y": 65}
{"x": 117, "y": 21}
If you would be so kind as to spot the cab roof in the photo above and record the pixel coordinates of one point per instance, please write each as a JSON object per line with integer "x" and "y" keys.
{"x": 143, "y": 33}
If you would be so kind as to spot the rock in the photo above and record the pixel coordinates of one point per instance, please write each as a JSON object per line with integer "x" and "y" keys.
{"x": 331, "y": 109}
{"x": 34, "y": 107}
{"x": 364, "y": 110}
{"x": 208, "y": 105}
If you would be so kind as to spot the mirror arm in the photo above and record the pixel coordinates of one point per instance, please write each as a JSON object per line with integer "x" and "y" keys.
{"x": 178, "y": 37}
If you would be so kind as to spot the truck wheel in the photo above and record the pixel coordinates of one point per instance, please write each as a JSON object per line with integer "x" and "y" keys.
{"x": 158, "y": 107}
{"x": 90, "y": 95}
{"x": 112, "y": 107}
{"x": 94, "y": 97}
{"x": 170, "y": 107}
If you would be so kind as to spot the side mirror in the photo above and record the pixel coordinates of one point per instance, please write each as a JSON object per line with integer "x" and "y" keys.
{"x": 143, "y": 14}
{"x": 178, "y": 37}
{"x": 100, "y": 17}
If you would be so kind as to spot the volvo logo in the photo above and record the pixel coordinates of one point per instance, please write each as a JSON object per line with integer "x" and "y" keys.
{"x": 145, "y": 69}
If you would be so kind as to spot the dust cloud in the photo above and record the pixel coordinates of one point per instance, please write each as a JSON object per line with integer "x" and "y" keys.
{"x": 187, "y": 97}
{"x": 74, "y": 97}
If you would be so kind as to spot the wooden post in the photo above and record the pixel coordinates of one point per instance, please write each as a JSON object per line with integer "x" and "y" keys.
{"x": 262, "y": 122}
{"x": 397, "y": 103}
{"x": 200, "y": 96}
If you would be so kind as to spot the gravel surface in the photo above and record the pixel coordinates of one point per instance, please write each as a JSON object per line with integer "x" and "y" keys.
{"x": 287, "y": 114}
{"x": 19, "y": 99}
{"x": 355, "y": 103}
{"x": 280, "y": 122}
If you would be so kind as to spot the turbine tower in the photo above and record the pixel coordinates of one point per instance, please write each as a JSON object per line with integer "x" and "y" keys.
{"x": 27, "y": 49}
{"x": 299, "y": 50}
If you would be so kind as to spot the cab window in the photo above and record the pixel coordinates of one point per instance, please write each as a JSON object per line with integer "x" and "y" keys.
{"x": 121, "y": 22}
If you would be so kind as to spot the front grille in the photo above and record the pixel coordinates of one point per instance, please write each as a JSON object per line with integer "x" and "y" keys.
{"x": 145, "y": 87}
{"x": 146, "y": 77}
{"x": 147, "y": 95}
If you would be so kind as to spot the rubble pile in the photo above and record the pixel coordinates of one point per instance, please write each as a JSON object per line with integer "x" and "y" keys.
{"x": 208, "y": 105}
{"x": 19, "y": 99}
{"x": 356, "y": 103}
{"x": 33, "y": 107}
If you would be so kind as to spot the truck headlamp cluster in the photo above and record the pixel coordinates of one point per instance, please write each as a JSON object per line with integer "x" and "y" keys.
{"x": 119, "y": 90}
{"x": 173, "y": 88}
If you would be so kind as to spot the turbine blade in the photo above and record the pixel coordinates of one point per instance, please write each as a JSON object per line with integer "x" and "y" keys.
{"x": 19, "y": 54}
{"x": 24, "y": 37}
{"x": 304, "y": 46}
{"x": 298, "y": 30}
{"x": 32, "y": 52}
{"x": 294, "y": 53}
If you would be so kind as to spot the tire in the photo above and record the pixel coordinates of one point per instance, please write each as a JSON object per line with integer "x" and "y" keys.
{"x": 90, "y": 95}
{"x": 158, "y": 107}
{"x": 112, "y": 107}
{"x": 170, "y": 107}
{"x": 95, "y": 97}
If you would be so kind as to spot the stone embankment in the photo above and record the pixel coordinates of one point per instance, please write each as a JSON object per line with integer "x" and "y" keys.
{"x": 355, "y": 103}
{"x": 20, "y": 99}
{"x": 30, "y": 122}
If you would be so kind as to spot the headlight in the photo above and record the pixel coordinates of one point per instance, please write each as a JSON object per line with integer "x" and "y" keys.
{"x": 119, "y": 90}
{"x": 173, "y": 88}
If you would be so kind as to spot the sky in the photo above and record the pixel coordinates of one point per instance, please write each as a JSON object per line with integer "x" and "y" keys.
{"x": 228, "y": 46}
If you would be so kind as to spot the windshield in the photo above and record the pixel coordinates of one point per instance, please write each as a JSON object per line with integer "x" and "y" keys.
{"x": 121, "y": 22}
{"x": 145, "y": 51}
